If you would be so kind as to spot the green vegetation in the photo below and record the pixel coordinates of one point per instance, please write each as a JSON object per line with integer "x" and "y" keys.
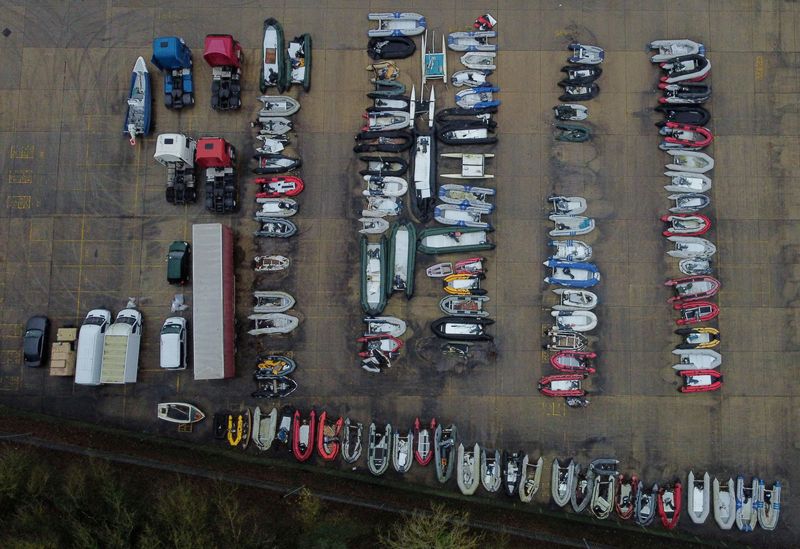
{"x": 438, "y": 529}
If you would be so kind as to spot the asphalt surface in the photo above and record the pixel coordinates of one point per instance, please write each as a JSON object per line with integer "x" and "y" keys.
{"x": 85, "y": 225}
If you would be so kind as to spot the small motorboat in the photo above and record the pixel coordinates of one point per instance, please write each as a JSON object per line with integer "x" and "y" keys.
{"x": 463, "y": 284}
{"x": 382, "y": 206}
{"x": 571, "y": 225}
{"x": 571, "y": 111}
{"x": 477, "y": 98}
{"x": 562, "y": 385}
{"x": 276, "y": 187}
{"x": 686, "y": 203}
{"x": 275, "y": 227}
{"x": 581, "y": 92}
{"x": 645, "y": 508}
{"x": 669, "y": 49}
{"x": 179, "y": 412}
{"x": 402, "y": 451}
{"x": 567, "y": 205}
{"x": 303, "y": 435}
{"x": 697, "y": 359}
{"x": 464, "y": 305}
{"x": 390, "y": 47}
{"x": 684, "y": 93}
{"x": 603, "y": 497}
{"x": 694, "y": 267}
{"x": 393, "y": 141}
{"x": 270, "y": 263}
{"x": 769, "y": 505}
{"x": 700, "y": 381}
{"x": 461, "y": 216}
{"x": 574, "y": 362}
{"x": 746, "y": 504}
{"x": 468, "y": 469}
{"x": 582, "y": 488}
{"x": 479, "y": 60}
{"x": 384, "y": 325}
{"x": 683, "y": 114}
{"x": 462, "y": 328}
{"x": 275, "y": 163}
{"x": 273, "y": 66}
{"x": 467, "y": 132}
{"x": 423, "y": 448}
{"x": 690, "y": 247}
{"x": 351, "y": 440}
{"x": 530, "y": 478}
{"x": 397, "y": 24}
{"x": 581, "y": 74}
{"x": 272, "y": 323}
{"x": 473, "y": 41}
{"x": 698, "y": 338}
{"x": 687, "y": 182}
{"x": 275, "y": 207}
{"x": 572, "y": 274}
{"x": 570, "y": 250}
{"x": 138, "y": 120}
{"x": 724, "y": 504}
{"x": 264, "y": 428}
{"x": 273, "y": 366}
{"x": 565, "y": 340}
{"x": 283, "y": 434}
{"x": 386, "y": 185}
{"x": 444, "y": 448}
{"x": 691, "y": 67}
{"x": 384, "y": 121}
{"x": 298, "y": 62}
{"x": 562, "y": 481}
{"x": 272, "y": 302}
{"x": 444, "y": 240}
{"x": 470, "y": 78}
{"x": 467, "y": 196}
{"x": 695, "y": 312}
{"x": 328, "y": 437}
{"x": 572, "y": 133}
{"x": 583, "y": 54}
{"x": 238, "y": 429}
{"x": 605, "y": 466}
{"x": 686, "y": 224}
{"x": 698, "y": 498}
{"x": 388, "y": 103}
{"x": 271, "y": 126}
{"x": 512, "y": 472}
{"x": 384, "y": 343}
{"x": 693, "y": 288}
{"x": 278, "y": 105}
{"x": 401, "y": 259}
{"x": 684, "y": 136}
{"x": 384, "y": 165}
{"x": 378, "y": 451}
{"x": 574, "y": 300}
{"x": 689, "y": 161}
{"x": 373, "y": 225}
{"x": 577, "y": 321}
{"x": 373, "y": 276}
{"x": 491, "y": 473}
{"x": 669, "y": 505}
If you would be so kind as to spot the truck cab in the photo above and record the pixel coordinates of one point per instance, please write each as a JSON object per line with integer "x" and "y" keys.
{"x": 177, "y": 151}
{"x": 216, "y": 156}
{"x": 91, "y": 338}
{"x": 174, "y": 59}
{"x": 224, "y": 55}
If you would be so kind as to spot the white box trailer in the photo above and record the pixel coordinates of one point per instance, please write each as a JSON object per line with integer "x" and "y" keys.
{"x": 214, "y": 303}
{"x": 91, "y": 339}
{"x": 121, "y": 348}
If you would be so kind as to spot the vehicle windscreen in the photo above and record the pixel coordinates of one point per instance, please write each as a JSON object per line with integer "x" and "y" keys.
{"x": 30, "y": 345}
{"x": 171, "y": 329}
{"x": 94, "y": 321}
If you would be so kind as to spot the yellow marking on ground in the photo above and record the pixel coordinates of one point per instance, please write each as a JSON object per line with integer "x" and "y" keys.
{"x": 22, "y": 152}
{"x": 759, "y": 67}
{"x": 562, "y": 32}
{"x": 20, "y": 177}
{"x": 556, "y": 407}
{"x": 18, "y": 202}
{"x": 80, "y": 268}
{"x": 178, "y": 384}
{"x": 10, "y": 383}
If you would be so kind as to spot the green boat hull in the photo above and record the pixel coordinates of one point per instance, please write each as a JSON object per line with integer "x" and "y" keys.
{"x": 373, "y": 309}
{"x": 438, "y": 250}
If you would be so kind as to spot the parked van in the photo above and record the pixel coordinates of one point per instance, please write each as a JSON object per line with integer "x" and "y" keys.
{"x": 121, "y": 348}
{"x": 173, "y": 343}
{"x": 91, "y": 338}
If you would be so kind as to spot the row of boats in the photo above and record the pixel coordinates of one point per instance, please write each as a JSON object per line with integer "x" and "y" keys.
{"x": 684, "y": 66}
{"x": 579, "y": 84}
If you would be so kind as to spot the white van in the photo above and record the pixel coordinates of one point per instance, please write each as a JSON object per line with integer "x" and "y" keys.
{"x": 173, "y": 343}
{"x": 121, "y": 348}
{"x": 91, "y": 338}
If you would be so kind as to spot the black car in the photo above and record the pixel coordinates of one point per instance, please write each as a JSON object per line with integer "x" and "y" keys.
{"x": 34, "y": 343}
{"x": 178, "y": 259}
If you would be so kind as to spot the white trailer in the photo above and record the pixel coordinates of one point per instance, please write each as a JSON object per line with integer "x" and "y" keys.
{"x": 121, "y": 348}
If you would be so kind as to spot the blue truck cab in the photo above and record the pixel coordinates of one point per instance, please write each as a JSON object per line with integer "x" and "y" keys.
{"x": 174, "y": 59}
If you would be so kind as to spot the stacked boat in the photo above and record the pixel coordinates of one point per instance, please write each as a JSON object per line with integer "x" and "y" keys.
{"x": 685, "y": 69}
{"x": 579, "y": 84}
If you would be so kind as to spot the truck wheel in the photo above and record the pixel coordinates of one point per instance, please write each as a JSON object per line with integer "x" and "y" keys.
{"x": 170, "y": 195}
{"x": 187, "y": 99}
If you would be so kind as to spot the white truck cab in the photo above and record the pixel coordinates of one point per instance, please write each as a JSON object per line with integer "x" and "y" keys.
{"x": 91, "y": 339}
